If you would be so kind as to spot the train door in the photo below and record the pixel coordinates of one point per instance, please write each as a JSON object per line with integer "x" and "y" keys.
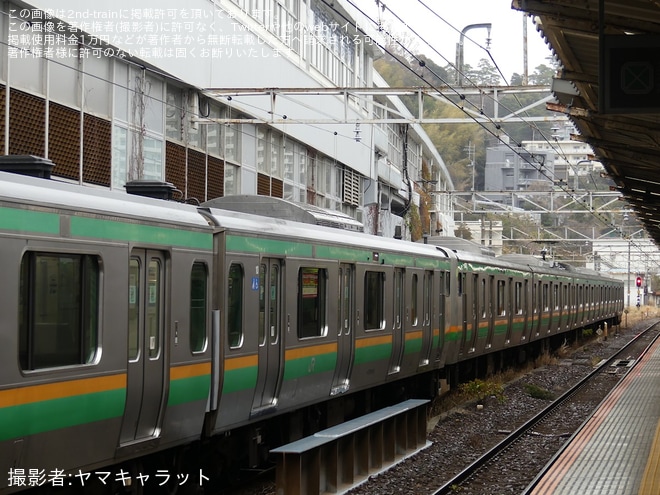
{"x": 512, "y": 305}
{"x": 493, "y": 307}
{"x": 345, "y": 337}
{"x": 397, "y": 331}
{"x": 465, "y": 309}
{"x": 269, "y": 334}
{"x": 427, "y": 318}
{"x": 442, "y": 313}
{"x": 536, "y": 304}
{"x": 475, "y": 311}
{"x": 146, "y": 367}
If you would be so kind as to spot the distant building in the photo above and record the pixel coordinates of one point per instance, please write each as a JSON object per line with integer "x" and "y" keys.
{"x": 573, "y": 159}
{"x": 511, "y": 168}
{"x": 540, "y": 164}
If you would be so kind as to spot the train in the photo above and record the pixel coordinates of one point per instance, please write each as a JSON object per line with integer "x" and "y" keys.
{"x": 141, "y": 335}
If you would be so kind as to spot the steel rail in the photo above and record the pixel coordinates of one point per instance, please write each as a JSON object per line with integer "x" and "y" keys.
{"x": 461, "y": 477}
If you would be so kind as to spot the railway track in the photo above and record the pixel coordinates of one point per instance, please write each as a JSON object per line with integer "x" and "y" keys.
{"x": 500, "y": 469}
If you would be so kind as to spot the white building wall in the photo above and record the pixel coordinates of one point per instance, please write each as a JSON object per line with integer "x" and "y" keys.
{"x": 234, "y": 62}
{"x": 204, "y": 45}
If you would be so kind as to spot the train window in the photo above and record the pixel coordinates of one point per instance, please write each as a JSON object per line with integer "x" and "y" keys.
{"x": 555, "y": 297}
{"x": 262, "y": 305}
{"x": 413, "y": 302}
{"x": 517, "y": 296}
{"x": 501, "y": 287}
{"x": 546, "y": 298}
{"x": 58, "y": 310}
{"x": 398, "y": 297}
{"x": 133, "y": 308}
{"x": 374, "y": 292}
{"x": 428, "y": 290}
{"x": 152, "y": 317}
{"x": 312, "y": 297}
{"x": 198, "y": 301}
{"x": 235, "y": 306}
{"x": 482, "y": 298}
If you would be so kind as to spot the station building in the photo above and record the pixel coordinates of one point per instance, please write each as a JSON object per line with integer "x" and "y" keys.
{"x": 217, "y": 98}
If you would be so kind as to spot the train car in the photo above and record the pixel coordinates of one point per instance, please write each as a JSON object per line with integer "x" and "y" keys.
{"x": 136, "y": 331}
{"x": 103, "y": 325}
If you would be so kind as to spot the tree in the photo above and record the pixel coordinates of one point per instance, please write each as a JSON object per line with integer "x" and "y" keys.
{"x": 487, "y": 74}
{"x": 463, "y": 232}
{"x": 542, "y": 75}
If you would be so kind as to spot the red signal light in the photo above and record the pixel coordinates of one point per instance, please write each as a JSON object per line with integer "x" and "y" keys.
{"x": 638, "y": 282}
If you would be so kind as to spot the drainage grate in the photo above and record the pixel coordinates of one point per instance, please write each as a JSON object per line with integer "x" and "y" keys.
{"x": 623, "y": 363}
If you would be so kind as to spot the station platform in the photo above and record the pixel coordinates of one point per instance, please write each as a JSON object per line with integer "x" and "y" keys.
{"x": 617, "y": 452}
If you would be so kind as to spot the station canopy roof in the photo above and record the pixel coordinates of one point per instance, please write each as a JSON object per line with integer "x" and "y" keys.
{"x": 609, "y": 86}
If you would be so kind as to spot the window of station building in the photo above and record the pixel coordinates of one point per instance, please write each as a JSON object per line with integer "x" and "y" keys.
{"x": 270, "y": 145}
{"x": 232, "y": 138}
{"x": 235, "y": 306}
{"x": 414, "y": 158}
{"x": 198, "y": 306}
{"x": 213, "y": 129}
{"x": 279, "y": 17}
{"x": 174, "y": 113}
{"x": 295, "y": 171}
{"x": 331, "y": 48}
{"x": 395, "y": 144}
{"x": 312, "y": 302}
{"x": 58, "y": 310}
{"x": 138, "y": 126}
{"x": 232, "y": 179}
{"x": 374, "y": 298}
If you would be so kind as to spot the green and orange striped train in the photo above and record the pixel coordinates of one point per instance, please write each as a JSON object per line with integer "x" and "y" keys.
{"x": 139, "y": 334}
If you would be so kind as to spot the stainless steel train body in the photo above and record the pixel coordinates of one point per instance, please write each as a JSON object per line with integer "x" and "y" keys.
{"x": 130, "y": 325}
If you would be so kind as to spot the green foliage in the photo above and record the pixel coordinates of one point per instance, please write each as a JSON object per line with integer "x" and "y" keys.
{"x": 480, "y": 390}
{"x": 537, "y": 392}
{"x": 452, "y": 140}
{"x": 414, "y": 223}
{"x": 463, "y": 232}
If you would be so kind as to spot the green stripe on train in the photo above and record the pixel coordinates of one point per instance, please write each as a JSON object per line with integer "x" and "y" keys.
{"x": 309, "y": 365}
{"x": 38, "y": 417}
{"x": 412, "y": 345}
{"x": 239, "y": 379}
{"x": 135, "y": 232}
{"x": 243, "y": 244}
{"x": 189, "y": 389}
{"x": 29, "y": 221}
{"x": 373, "y": 353}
